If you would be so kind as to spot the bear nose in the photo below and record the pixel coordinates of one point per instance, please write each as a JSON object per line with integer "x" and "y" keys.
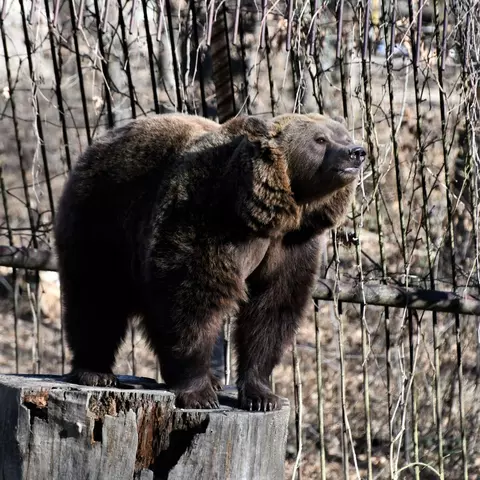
{"x": 357, "y": 152}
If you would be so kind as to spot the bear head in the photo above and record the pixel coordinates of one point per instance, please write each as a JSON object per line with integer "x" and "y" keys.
{"x": 320, "y": 154}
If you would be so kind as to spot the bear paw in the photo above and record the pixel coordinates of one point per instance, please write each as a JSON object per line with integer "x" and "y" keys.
{"x": 256, "y": 399}
{"x": 93, "y": 379}
{"x": 206, "y": 398}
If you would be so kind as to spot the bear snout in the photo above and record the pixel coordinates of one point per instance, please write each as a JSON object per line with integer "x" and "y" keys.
{"x": 357, "y": 153}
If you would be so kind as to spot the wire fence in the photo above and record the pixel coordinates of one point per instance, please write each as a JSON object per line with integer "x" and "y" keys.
{"x": 383, "y": 377}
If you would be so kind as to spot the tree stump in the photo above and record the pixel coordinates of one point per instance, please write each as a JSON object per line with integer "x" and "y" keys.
{"x": 53, "y": 430}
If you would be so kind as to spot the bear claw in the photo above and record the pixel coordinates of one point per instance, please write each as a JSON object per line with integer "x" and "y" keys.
{"x": 216, "y": 382}
{"x": 258, "y": 401}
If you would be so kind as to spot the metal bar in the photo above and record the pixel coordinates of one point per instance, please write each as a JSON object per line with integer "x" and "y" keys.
{"x": 390, "y": 22}
{"x": 151, "y": 58}
{"x": 201, "y": 73}
{"x": 468, "y": 50}
{"x": 441, "y": 44}
{"x": 413, "y": 395}
{"x": 237, "y": 20}
{"x": 289, "y": 26}
{"x": 76, "y": 22}
{"x": 263, "y": 24}
{"x": 174, "y": 54}
{"x": 132, "y": 16}
{"x": 101, "y": 27}
{"x": 21, "y": 158}
{"x": 297, "y": 383}
{"x": 337, "y": 309}
{"x": 222, "y": 68}
{"x": 320, "y": 393}
{"x": 14, "y": 271}
{"x": 126, "y": 59}
{"x": 160, "y": 20}
{"x": 415, "y": 38}
{"x": 58, "y": 82}
{"x": 340, "y": 58}
{"x": 36, "y": 106}
{"x": 313, "y": 27}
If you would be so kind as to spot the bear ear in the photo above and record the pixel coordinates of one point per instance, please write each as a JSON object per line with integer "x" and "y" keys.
{"x": 257, "y": 127}
{"x": 339, "y": 119}
{"x": 253, "y": 127}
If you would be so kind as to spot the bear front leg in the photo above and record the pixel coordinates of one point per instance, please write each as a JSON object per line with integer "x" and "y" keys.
{"x": 265, "y": 327}
{"x": 279, "y": 293}
{"x": 184, "y": 319}
{"x": 187, "y": 373}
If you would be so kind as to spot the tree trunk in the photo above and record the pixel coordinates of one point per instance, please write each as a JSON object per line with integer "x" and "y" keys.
{"x": 52, "y": 430}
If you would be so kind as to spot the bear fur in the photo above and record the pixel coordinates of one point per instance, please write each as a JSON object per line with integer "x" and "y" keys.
{"x": 180, "y": 221}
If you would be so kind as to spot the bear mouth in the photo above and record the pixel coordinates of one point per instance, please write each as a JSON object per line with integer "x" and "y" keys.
{"x": 350, "y": 170}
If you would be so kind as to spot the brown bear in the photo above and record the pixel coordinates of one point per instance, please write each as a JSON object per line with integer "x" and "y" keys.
{"x": 180, "y": 221}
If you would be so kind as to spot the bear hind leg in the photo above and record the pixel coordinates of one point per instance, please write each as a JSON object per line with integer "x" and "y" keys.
{"x": 95, "y": 322}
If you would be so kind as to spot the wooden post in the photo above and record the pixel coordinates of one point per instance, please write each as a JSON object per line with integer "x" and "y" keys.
{"x": 52, "y": 430}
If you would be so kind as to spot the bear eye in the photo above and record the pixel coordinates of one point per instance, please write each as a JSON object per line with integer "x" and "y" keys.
{"x": 320, "y": 140}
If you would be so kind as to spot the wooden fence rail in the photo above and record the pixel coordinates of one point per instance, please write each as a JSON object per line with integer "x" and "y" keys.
{"x": 368, "y": 293}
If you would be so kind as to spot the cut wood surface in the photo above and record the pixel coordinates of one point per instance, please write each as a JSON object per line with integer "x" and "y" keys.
{"x": 50, "y": 429}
